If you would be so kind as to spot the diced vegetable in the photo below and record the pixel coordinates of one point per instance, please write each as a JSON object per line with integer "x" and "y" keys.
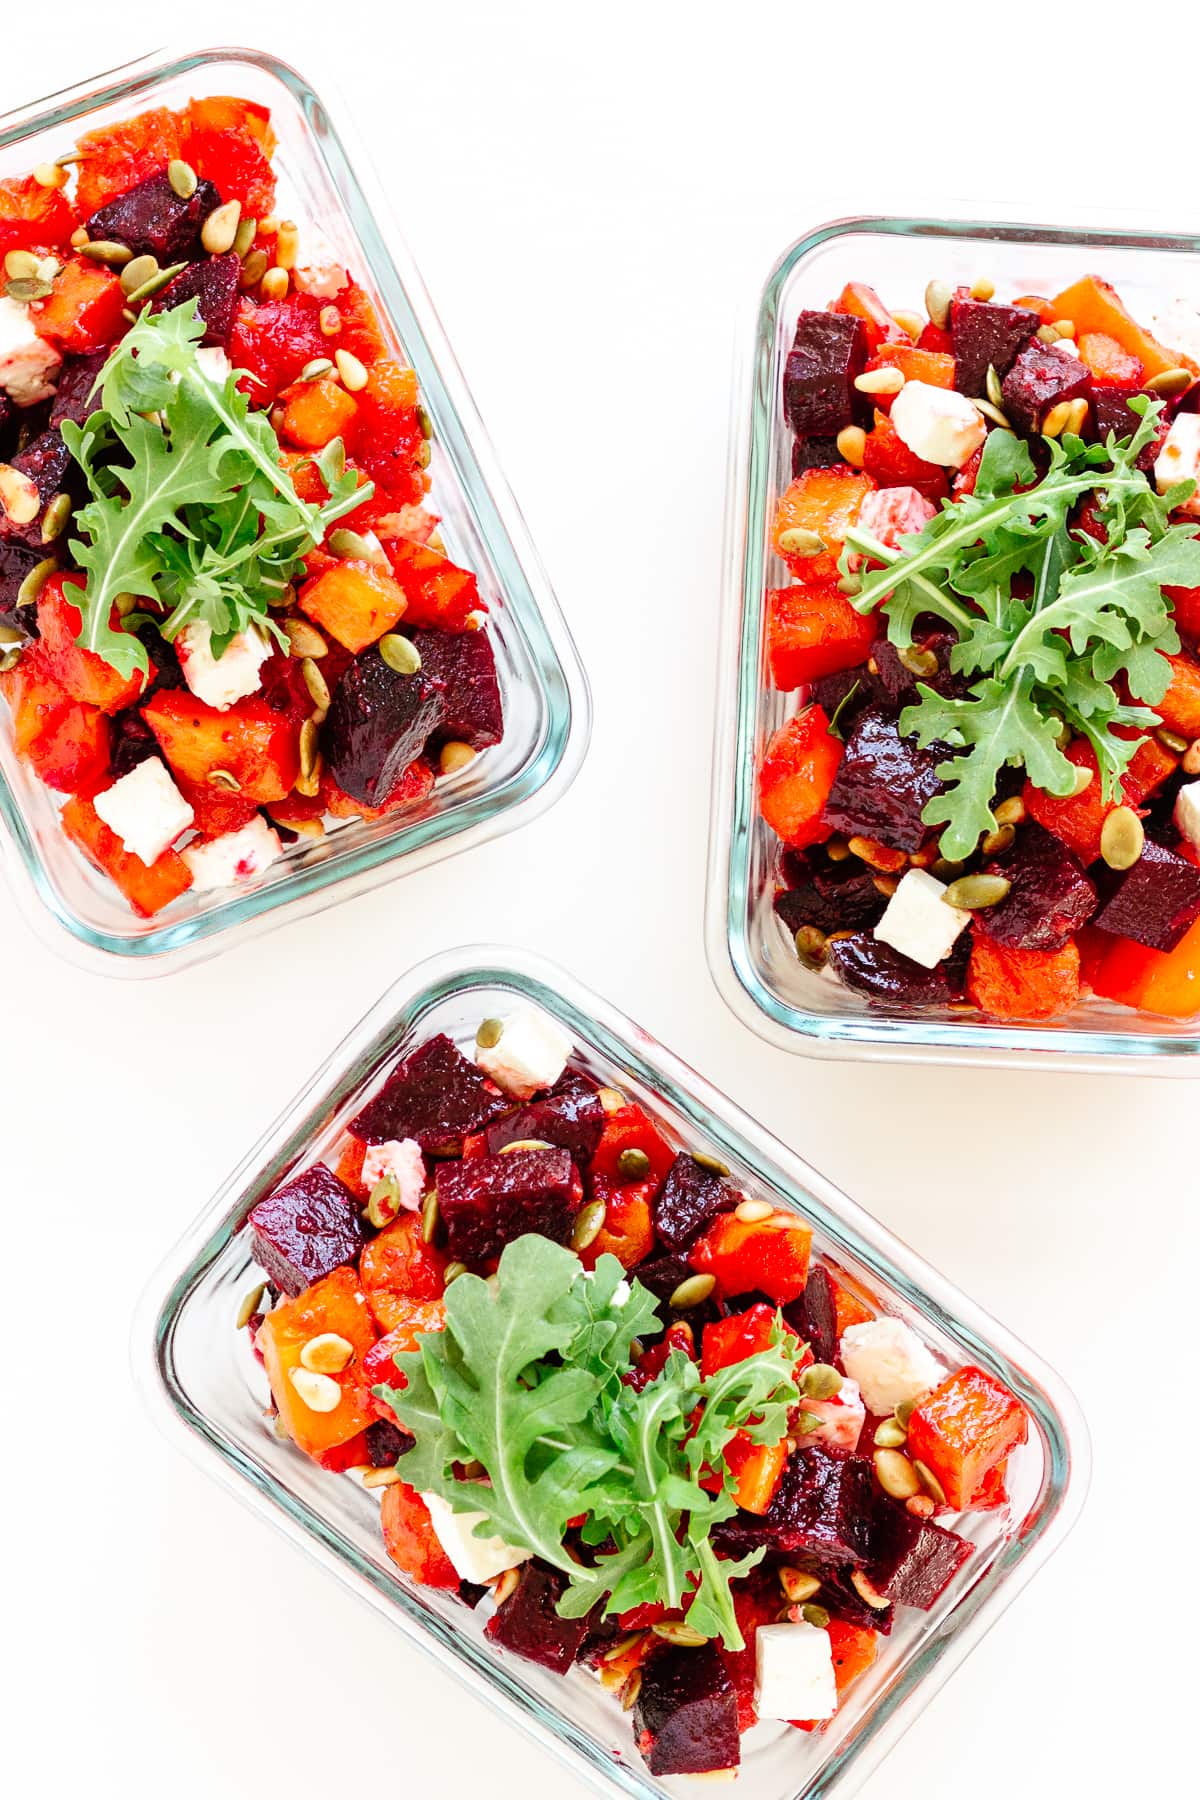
{"x": 83, "y": 310}
{"x": 411, "y": 1541}
{"x": 65, "y": 742}
{"x": 797, "y": 775}
{"x": 961, "y": 1431}
{"x": 1095, "y": 306}
{"x": 1079, "y": 818}
{"x": 354, "y": 601}
{"x": 316, "y": 1417}
{"x": 254, "y": 744}
{"x": 315, "y": 412}
{"x": 147, "y": 887}
{"x": 824, "y": 501}
{"x": 400, "y": 1270}
{"x": 812, "y": 631}
{"x": 767, "y": 1256}
{"x": 1023, "y": 984}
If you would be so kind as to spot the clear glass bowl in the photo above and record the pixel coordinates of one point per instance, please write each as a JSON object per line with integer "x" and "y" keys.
{"x": 344, "y": 217}
{"x": 750, "y": 954}
{"x": 205, "y": 1386}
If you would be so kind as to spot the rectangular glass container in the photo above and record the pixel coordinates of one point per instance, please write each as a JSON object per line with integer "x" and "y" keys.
{"x": 343, "y": 218}
{"x": 205, "y": 1386}
{"x": 750, "y": 954}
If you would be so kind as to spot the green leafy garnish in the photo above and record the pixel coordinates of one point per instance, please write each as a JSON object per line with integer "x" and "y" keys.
{"x": 1049, "y": 619}
{"x": 191, "y": 508}
{"x": 526, "y": 1380}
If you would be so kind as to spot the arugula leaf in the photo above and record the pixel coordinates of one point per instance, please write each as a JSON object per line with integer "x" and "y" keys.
{"x": 526, "y": 1379}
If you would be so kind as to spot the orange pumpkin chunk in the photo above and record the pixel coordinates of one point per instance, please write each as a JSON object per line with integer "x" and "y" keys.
{"x": 961, "y": 1431}
{"x": 334, "y": 1304}
{"x": 355, "y": 602}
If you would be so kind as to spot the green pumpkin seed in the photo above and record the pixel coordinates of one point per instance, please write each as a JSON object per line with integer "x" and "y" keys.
{"x": 1172, "y": 741}
{"x": 9, "y": 660}
{"x": 631, "y": 1690}
{"x": 384, "y": 1203}
{"x": 692, "y": 1292}
{"x": 489, "y": 1034}
{"x": 589, "y": 1223}
{"x": 1122, "y": 838}
{"x": 1170, "y": 382}
{"x": 224, "y": 778}
{"x": 183, "y": 178}
{"x": 820, "y": 1381}
{"x": 891, "y": 1435}
{"x": 430, "y": 1216}
{"x": 452, "y": 1271}
{"x": 155, "y": 284}
{"x": 937, "y": 303}
{"x": 995, "y": 392}
{"x": 352, "y": 545}
{"x": 918, "y": 661}
{"x": 712, "y": 1164}
{"x": 972, "y": 892}
{"x": 799, "y": 542}
{"x": 308, "y": 747}
{"x": 812, "y": 946}
{"x": 318, "y": 687}
{"x": 678, "y": 1631}
{"x": 633, "y": 1165}
{"x": 850, "y": 585}
{"x": 35, "y": 581}
{"x": 108, "y": 252}
{"x": 929, "y": 1482}
{"x": 142, "y": 268}
{"x": 400, "y": 653}
{"x": 998, "y": 841}
{"x": 807, "y": 1422}
{"x": 991, "y": 411}
{"x": 254, "y": 268}
{"x": 304, "y": 639}
{"x": 945, "y": 871}
{"x": 425, "y": 422}
{"x": 220, "y": 228}
{"x": 56, "y": 517}
{"x": 904, "y": 1412}
{"x": 250, "y": 1305}
{"x": 815, "y": 1615}
{"x": 622, "y": 1647}
{"x": 313, "y": 371}
{"x": 25, "y": 291}
{"x": 244, "y": 236}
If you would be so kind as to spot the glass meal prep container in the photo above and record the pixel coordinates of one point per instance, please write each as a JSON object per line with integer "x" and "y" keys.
{"x": 750, "y": 953}
{"x": 343, "y": 218}
{"x": 207, "y": 1389}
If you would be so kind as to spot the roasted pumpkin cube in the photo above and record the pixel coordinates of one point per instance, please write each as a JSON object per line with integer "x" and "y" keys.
{"x": 854, "y": 1649}
{"x": 84, "y": 310}
{"x": 1078, "y": 819}
{"x": 1179, "y": 708}
{"x": 411, "y": 1541}
{"x": 258, "y": 746}
{"x": 765, "y": 1256}
{"x": 438, "y": 592}
{"x": 66, "y": 743}
{"x": 797, "y": 775}
{"x": 229, "y": 142}
{"x": 628, "y": 1229}
{"x": 84, "y": 675}
{"x": 337, "y": 1305}
{"x": 32, "y": 216}
{"x": 1095, "y": 306}
{"x": 1156, "y": 981}
{"x": 400, "y": 1270}
{"x": 813, "y": 630}
{"x": 315, "y": 412}
{"x": 629, "y": 1128}
{"x": 116, "y": 157}
{"x": 147, "y": 887}
{"x": 1007, "y": 983}
{"x": 825, "y": 501}
{"x": 963, "y": 1429}
{"x": 379, "y": 1364}
{"x": 355, "y": 602}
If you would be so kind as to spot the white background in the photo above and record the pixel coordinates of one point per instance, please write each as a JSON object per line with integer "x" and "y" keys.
{"x": 592, "y": 195}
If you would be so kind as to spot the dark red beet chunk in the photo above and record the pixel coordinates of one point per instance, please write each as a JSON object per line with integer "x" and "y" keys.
{"x": 815, "y": 453}
{"x": 132, "y": 742}
{"x": 529, "y": 1622}
{"x": 213, "y": 285}
{"x": 854, "y": 904}
{"x": 306, "y": 1229}
{"x": 574, "y": 1120}
{"x": 690, "y": 1198}
{"x": 828, "y": 353}
{"x": 465, "y": 664}
{"x": 685, "y": 1719}
{"x": 984, "y": 334}
{"x": 881, "y": 973}
{"x": 76, "y": 379}
{"x": 378, "y": 722}
{"x": 899, "y": 685}
{"x": 48, "y": 464}
{"x": 824, "y": 1504}
{"x": 913, "y": 1560}
{"x": 487, "y": 1201}
{"x": 1050, "y": 898}
{"x": 1157, "y": 902}
{"x": 153, "y": 220}
{"x": 842, "y": 1600}
{"x": 16, "y": 560}
{"x": 386, "y": 1442}
{"x": 1110, "y": 413}
{"x": 883, "y": 784}
{"x": 814, "y": 1316}
{"x": 1040, "y": 378}
{"x": 436, "y": 1096}
{"x": 661, "y": 1274}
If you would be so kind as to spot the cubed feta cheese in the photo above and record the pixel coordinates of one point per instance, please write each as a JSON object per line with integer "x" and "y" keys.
{"x": 145, "y": 809}
{"x": 793, "y": 1673}
{"x": 212, "y": 361}
{"x": 889, "y": 1362}
{"x": 531, "y": 1054}
{"x": 842, "y": 1419}
{"x": 891, "y": 513}
{"x": 1178, "y": 458}
{"x": 474, "y": 1559}
{"x": 220, "y": 680}
{"x": 28, "y": 365}
{"x": 918, "y": 922}
{"x": 234, "y": 857}
{"x": 1187, "y": 812}
{"x": 1177, "y": 326}
{"x": 401, "y": 1158}
{"x": 937, "y": 424}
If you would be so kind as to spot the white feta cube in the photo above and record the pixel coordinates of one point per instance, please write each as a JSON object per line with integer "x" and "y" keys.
{"x": 220, "y": 680}
{"x": 842, "y": 1419}
{"x": 937, "y": 424}
{"x": 474, "y": 1559}
{"x": 1187, "y": 812}
{"x": 918, "y": 922}
{"x": 400, "y": 1158}
{"x": 234, "y": 857}
{"x": 793, "y": 1672}
{"x": 1177, "y": 327}
{"x": 145, "y": 809}
{"x": 1178, "y": 458}
{"x": 889, "y": 1362}
{"x": 212, "y": 361}
{"x": 531, "y": 1054}
{"x": 28, "y": 365}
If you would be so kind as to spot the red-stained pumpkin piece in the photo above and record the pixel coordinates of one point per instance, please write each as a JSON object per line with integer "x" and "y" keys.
{"x": 797, "y": 774}
{"x": 399, "y": 1269}
{"x": 334, "y": 1304}
{"x": 411, "y": 1541}
{"x": 813, "y": 630}
{"x": 1006, "y": 983}
{"x": 963, "y": 1429}
{"x": 147, "y": 887}
{"x": 767, "y": 1256}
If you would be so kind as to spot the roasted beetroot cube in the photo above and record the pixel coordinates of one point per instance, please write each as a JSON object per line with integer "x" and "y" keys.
{"x": 842, "y": 1600}
{"x": 689, "y": 1199}
{"x": 529, "y": 1621}
{"x": 815, "y": 453}
{"x": 883, "y": 784}
{"x": 306, "y": 1229}
{"x": 913, "y": 1560}
{"x": 465, "y": 664}
{"x": 828, "y": 353}
{"x": 853, "y": 904}
{"x": 1040, "y": 378}
{"x": 814, "y": 1316}
{"x": 662, "y": 1274}
{"x": 213, "y": 285}
{"x": 824, "y": 1504}
{"x": 16, "y": 560}
{"x": 487, "y": 1201}
{"x": 378, "y": 723}
{"x": 1050, "y": 897}
{"x": 48, "y": 464}
{"x": 132, "y": 742}
{"x": 984, "y": 334}
{"x": 435, "y": 1096}
{"x": 73, "y": 396}
{"x": 573, "y": 1119}
{"x": 154, "y": 220}
{"x": 899, "y": 685}
{"x": 386, "y": 1442}
{"x": 1157, "y": 901}
{"x": 885, "y": 975}
{"x": 686, "y": 1719}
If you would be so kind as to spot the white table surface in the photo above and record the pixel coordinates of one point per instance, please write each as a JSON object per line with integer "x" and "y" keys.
{"x": 592, "y": 195}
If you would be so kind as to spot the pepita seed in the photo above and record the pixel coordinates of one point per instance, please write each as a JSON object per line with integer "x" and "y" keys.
{"x": 812, "y": 945}
{"x": 852, "y": 445}
{"x": 798, "y": 1586}
{"x": 353, "y": 372}
{"x": 379, "y": 1478}
{"x": 1064, "y": 327}
{"x": 867, "y": 1594}
{"x": 633, "y": 1165}
{"x": 154, "y": 284}
{"x": 807, "y": 1422}
{"x": 220, "y": 228}
{"x": 1171, "y": 740}
{"x": 351, "y": 545}
{"x": 320, "y": 1393}
{"x": 1170, "y": 382}
{"x": 318, "y": 687}
{"x": 904, "y": 1412}
{"x": 589, "y": 1223}
{"x": 304, "y": 639}
{"x": 455, "y": 756}
{"x": 630, "y": 1691}
{"x": 308, "y": 746}
{"x": 850, "y": 585}
{"x": 328, "y": 1353}
{"x": 937, "y": 303}
{"x": 56, "y": 517}
{"x": 106, "y": 251}
{"x": 519, "y": 1144}
{"x": 611, "y": 1099}
{"x": 820, "y": 1381}
{"x": 384, "y": 1202}
{"x": 752, "y": 1212}
{"x": 274, "y": 284}
{"x": 142, "y": 268}
{"x": 21, "y": 265}
{"x": 244, "y": 236}
{"x": 679, "y": 1632}
{"x": 911, "y": 322}
{"x": 224, "y": 778}
{"x": 452, "y": 1271}
{"x": 125, "y": 603}
{"x": 891, "y": 1435}
{"x": 888, "y": 380}
{"x": 25, "y": 291}
{"x": 982, "y": 288}
{"x": 970, "y": 893}
{"x": 489, "y": 1034}
{"x": 505, "y": 1585}
{"x": 1122, "y": 838}
{"x": 430, "y": 1216}
{"x": 9, "y": 660}
{"x": 622, "y": 1647}
{"x": 799, "y": 542}
{"x": 995, "y": 391}
{"x": 918, "y": 661}
{"x": 330, "y": 321}
{"x": 309, "y": 784}
{"x": 929, "y": 1482}
{"x": 425, "y": 422}
{"x": 996, "y": 415}
{"x": 287, "y": 243}
{"x": 692, "y": 1292}
{"x": 1010, "y": 811}
{"x": 250, "y": 1305}
{"x": 815, "y": 1615}
{"x": 896, "y": 1475}
{"x": 254, "y": 267}
{"x": 313, "y": 371}
{"x": 1191, "y": 758}
{"x": 713, "y": 1164}
{"x": 998, "y": 841}
{"x": 399, "y": 653}
{"x": 182, "y": 178}
{"x": 50, "y": 175}
{"x": 12, "y": 637}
